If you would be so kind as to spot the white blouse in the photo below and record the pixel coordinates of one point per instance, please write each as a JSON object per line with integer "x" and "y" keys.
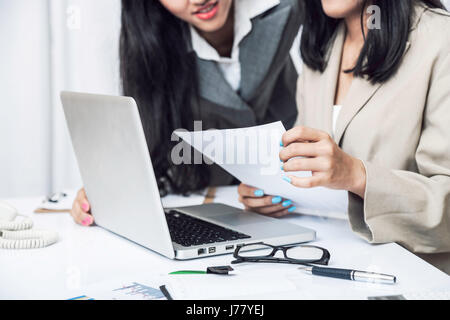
{"x": 336, "y": 111}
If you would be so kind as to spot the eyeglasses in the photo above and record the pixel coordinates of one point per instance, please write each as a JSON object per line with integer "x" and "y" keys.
{"x": 295, "y": 254}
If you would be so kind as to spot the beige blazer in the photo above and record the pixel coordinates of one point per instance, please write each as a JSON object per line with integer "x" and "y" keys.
{"x": 401, "y": 130}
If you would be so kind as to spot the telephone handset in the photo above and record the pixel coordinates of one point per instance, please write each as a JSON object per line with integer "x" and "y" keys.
{"x": 18, "y": 234}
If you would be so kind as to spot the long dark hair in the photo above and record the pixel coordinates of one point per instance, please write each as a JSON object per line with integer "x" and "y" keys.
{"x": 160, "y": 74}
{"x": 383, "y": 49}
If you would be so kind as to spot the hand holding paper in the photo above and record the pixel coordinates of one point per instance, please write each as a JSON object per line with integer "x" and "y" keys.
{"x": 315, "y": 150}
{"x": 252, "y": 156}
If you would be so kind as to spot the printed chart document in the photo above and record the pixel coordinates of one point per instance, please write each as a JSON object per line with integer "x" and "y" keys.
{"x": 252, "y": 156}
{"x": 123, "y": 289}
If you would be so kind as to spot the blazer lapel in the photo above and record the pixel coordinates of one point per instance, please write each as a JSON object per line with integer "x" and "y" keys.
{"x": 258, "y": 50}
{"x": 215, "y": 88}
{"x": 330, "y": 77}
{"x": 360, "y": 93}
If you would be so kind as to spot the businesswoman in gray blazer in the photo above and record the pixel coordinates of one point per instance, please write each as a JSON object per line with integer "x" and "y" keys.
{"x": 223, "y": 62}
{"x": 374, "y": 119}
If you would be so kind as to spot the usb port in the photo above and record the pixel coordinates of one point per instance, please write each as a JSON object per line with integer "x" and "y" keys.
{"x": 201, "y": 251}
{"x": 212, "y": 250}
{"x": 229, "y": 247}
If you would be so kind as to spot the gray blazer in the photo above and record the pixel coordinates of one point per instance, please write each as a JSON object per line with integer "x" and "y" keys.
{"x": 268, "y": 85}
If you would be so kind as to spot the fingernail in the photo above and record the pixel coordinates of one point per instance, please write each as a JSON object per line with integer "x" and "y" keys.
{"x": 282, "y": 167}
{"x": 287, "y": 203}
{"x": 87, "y": 221}
{"x": 292, "y": 209}
{"x": 281, "y": 144}
{"x": 259, "y": 193}
{"x": 287, "y": 179}
{"x": 85, "y": 207}
{"x": 276, "y": 200}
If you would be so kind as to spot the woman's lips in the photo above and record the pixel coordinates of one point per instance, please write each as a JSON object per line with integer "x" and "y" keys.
{"x": 208, "y": 11}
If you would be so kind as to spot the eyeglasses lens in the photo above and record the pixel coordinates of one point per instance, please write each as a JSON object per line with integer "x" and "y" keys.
{"x": 255, "y": 251}
{"x": 304, "y": 253}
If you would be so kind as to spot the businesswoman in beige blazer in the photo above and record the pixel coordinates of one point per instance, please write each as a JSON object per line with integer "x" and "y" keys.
{"x": 388, "y": 92}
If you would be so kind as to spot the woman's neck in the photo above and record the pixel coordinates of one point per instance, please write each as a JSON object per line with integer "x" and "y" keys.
{"x": 222, "y": 40}
{"x": 354, "y": 42}
{"x": 355, "y": 35}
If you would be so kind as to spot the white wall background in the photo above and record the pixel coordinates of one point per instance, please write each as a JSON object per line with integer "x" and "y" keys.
{"x": 48, "y": 46}
{"x": 25, "y": 97}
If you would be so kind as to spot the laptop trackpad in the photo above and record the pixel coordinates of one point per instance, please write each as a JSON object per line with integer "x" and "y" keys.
{"x": 238, "y": 219}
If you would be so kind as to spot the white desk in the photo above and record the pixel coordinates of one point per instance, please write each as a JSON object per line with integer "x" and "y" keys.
{"x": 96, "y": 255}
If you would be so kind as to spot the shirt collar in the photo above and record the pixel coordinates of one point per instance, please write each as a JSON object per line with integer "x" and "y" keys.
{"x": 245, "y": 11}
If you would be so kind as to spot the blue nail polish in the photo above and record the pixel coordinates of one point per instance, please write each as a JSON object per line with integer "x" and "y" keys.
{"x": 287, "y": 203}
{"x": 282, "y": 167}
{"x": 292, "y": 209}
{"x": 276, "y": 200}
{"x": 281, "y": 144}
{"x": 259, "y": 193}
{"x": 287, "y": 179}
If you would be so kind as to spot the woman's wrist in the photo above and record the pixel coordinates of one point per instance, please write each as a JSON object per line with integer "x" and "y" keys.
{"x": 359, "y": 178}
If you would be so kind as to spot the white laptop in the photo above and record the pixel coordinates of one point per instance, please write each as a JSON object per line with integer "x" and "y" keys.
{"x": 117, "y": 173}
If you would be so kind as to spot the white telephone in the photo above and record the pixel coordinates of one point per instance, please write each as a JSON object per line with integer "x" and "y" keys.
{"x": 18, "y": 234}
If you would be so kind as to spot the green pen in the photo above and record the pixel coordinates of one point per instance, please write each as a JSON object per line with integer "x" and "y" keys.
{"x": 188, "y": 272}
{"x": 224, "y": 270}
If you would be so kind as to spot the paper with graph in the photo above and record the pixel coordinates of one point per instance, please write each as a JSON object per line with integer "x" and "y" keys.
{"x": 252, "y": 156}
{"x": 123, "y": 290}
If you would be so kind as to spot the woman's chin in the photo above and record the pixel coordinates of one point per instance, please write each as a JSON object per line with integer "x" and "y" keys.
{"x": 341, "y": 9}
{"x": 209, "y": 26}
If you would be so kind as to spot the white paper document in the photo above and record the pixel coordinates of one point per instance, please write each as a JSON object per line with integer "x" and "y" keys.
{"x": 173, "y": 201}
{"x": 170, "y": 201}
{"x": 61, "y": 201}
{"x": 213, "y": 287}
{"x": 252, "y": 156}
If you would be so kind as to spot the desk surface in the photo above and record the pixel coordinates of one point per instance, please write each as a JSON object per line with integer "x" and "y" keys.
{"x": 96, "y": 255}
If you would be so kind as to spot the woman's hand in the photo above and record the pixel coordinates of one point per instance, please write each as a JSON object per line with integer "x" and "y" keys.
{"x": 254, "y": 200}
{"x": 330, "y": 165}
{"x": 81, "y": 210}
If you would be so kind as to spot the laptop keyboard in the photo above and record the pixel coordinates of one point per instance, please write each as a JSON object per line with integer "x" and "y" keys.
{"x": 189, "y": 231}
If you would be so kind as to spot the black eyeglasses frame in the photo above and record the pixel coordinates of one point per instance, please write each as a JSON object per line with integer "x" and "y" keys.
{"x": 271, "y": 259}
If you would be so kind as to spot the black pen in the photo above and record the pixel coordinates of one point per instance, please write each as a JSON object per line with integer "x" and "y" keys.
{"x": 353, "y": 275}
